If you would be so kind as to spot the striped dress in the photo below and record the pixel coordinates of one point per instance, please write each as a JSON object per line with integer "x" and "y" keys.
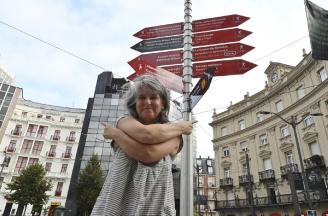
{"x": 132, "y": 188}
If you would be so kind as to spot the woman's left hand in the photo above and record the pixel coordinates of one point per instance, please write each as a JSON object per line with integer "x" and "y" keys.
{"x": 109, "y": 131}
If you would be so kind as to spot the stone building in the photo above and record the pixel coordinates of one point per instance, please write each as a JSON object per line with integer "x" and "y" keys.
{"x": 244, "y": 135}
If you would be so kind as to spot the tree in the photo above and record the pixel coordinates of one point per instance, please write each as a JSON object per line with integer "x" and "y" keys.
{"x": 89, "y": 184}
{"x": 29, "y": 187}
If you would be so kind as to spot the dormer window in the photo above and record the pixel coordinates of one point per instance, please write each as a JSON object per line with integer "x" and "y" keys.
{"x": 274, "y": 77}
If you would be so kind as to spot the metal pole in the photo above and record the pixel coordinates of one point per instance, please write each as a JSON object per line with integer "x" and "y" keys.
{"x": 294, "y": 194}
{"x": 186, "y": 184}
{"x": 250, "y": 185}
{"x": 293, "y": 123}
{"x": 197, "y": 167}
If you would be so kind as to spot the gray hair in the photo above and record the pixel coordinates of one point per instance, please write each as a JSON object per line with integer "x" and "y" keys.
{"x": 152, "y": 83}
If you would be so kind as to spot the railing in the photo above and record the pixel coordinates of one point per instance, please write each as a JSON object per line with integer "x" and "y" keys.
{"x": 41, "y": 135}
{"x": 55, "y": 137}
{"x": 66, "y": 155}
{"x": 30, "y": 134}
{"x": 226, "y": 182}
{"x": 244, "y": 179}
{"x": 293, "y": 168}
{"x": 11, "y": 149}
{"x": 51, "y": 154}
{"x": 58, "y": 193}
{"x": 16, "y": 132}
{"x": 70, "y": 139}
{"x": 266, "y": 175}
{"x": 278, "y": 200}
{"x": 316, "y": 161}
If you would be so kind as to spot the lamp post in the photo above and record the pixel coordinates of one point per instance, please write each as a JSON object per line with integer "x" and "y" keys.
{"x": 198, "y": 168}
{"x": 293, "y": 122}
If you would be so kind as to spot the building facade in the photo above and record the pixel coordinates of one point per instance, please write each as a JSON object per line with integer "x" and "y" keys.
{"x": 255, "y": 152}
{"x": 44, "y": 134}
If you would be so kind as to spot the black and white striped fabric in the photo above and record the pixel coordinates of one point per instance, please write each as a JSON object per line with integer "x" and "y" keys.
{"x": 132, "y": 188}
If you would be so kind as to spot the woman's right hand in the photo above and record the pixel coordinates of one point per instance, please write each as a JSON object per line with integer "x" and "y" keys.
{"x": 186, "y": 127}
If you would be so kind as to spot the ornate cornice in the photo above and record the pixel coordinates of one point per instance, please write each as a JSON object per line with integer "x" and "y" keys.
{"x": 265, "y": 153}
{"x": 310, "y": 136}
{"x": 226, "y": 163}
{"x": 285, "y": 146}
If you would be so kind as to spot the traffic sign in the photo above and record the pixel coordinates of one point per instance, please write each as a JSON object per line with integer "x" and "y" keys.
{"x": 169, "y": 80}
{"x": 220, "y": 51}
{"x": 208, "y": 24}
{"x": 199, "y": 39}
{"x": 199, "y": 54}
{"x": 223, "y": 68}
{"x": 158, "y": 44}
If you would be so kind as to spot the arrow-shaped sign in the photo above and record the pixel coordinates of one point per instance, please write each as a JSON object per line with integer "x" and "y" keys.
{"x": 199, "y": 39}
{"x": 202, "y": 86}
{"x": 199, "y": 54}
{"x": 208, "y": 24}
{"x": 223, "y": 68}
{"x": 169, "y": 80}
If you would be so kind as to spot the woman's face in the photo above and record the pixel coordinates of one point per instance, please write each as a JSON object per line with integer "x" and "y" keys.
{"x": 149, "y": 105}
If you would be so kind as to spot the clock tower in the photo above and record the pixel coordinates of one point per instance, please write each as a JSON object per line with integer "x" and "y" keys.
{"x": 276, "y": 72}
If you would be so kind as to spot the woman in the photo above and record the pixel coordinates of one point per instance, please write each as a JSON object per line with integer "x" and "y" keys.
{"x": 140, "y": 180}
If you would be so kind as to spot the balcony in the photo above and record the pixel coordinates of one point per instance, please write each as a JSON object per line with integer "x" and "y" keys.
{"x": 314, "y": 162}
{"x": 70, "y": 139}
{"x": 226, "y": 183}
{"x": 10, "y": 149}
{"x": 293, "y": 168}
{"x": 41, "y": 135}
{"x": 58, "y": 193}
{"x": 267, "y": 175}
{"x": 16, "y": 132}
{"x": 55, "y": 137}
{"x": 30, "y": 134}
{"x": 66, "y": 155}
{"x": 244, "y": 180}
{"x": 51, "y": 154}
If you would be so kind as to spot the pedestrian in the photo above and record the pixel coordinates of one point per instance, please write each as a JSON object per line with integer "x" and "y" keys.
{"x": 140, "y": 180}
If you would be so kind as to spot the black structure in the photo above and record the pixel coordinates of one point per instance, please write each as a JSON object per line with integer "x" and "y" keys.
{"x": 105, "y": 106}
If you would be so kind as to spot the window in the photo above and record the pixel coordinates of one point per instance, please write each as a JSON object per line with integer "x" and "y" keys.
{"x": 47, "y": 167}
{"x": 56, "y": 135}
{"x": 244, "y": 169}
{"x": 62, "y": 119}
{"x": 6, "y": 161}
{"x": 322, "y": 74}
{"x": 267, "y": 164}
{"x": 21, "y": 163}
{"x": 48, "y": 117}
{"x": 226, "y": 152}
{"x": 224, "y": 131}
{"x": 260, "y": 117}
{"x": 77, "y": 120}
{"x": 300, "y": 92}
{"x": 52, "y": 151}
{"x": 18, "y": 130}
{"x": 39, "y": 116}
{"x": 42, "y": 131}
{"x": 279, "y": 106}
{"x": 24, "y": 114}
{"x": 226, "y": 172}
{"x": 68, "y": 151}
{"x": 315, "y": 150}
{"x": 241, "y": 124}
{"x": 308, "y": 121}
{"x": 263, "y": 139}
{"x": 59, "y": 188}
{"x": 12, "y": 146}
{"x": 27, "y": 145}
{"x": 37, "y": 147}
{"x": 33, "y": 161}
{"x": 210, "y": 170}
{"x": 64, "y": 168}
{"x": 244, "y": 146}
{"x": 289, "y": 157}
{"x": 71, "y": 137}
{"x": 284, "y": 131}
{"x": 31, "y": 130}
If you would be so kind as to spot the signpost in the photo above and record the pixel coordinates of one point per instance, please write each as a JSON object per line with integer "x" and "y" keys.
{"x": 197, "y": 26}
{"x": 199, "y": 39}
{"x": 205, "y": 35}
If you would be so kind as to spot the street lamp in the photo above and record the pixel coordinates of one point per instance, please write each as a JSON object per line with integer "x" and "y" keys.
{"x": 198, "y": 168}
{"x": 293, "y": 122}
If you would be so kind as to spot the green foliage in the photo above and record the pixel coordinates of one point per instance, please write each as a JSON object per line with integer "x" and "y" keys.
{"x": 89, "y": 185}
{"x": 30, "y": 187}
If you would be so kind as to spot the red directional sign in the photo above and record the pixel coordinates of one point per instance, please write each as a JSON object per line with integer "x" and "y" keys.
{"x": 215, "y": 37}
{"x": 199, "y": 54}
{"x": 199, "y": 39}
{"x": 223, "y": 68}
{"x": 169, "y": 80}
{"x": 198, "y": 26}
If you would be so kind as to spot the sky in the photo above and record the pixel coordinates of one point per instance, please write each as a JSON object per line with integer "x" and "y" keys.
{"x": 56, "y": 49}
